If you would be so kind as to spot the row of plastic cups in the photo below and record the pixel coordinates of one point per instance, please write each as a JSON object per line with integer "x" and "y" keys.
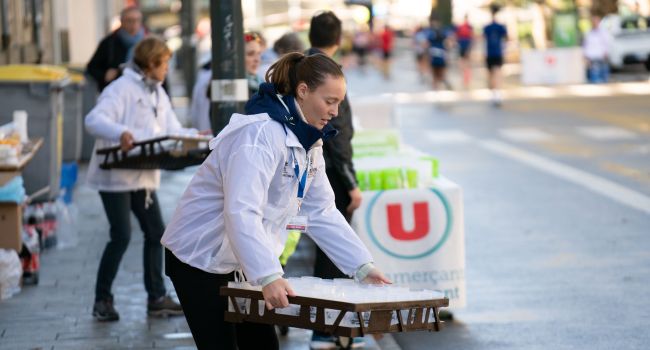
{"x": 387, "y": 179}
{"x": 351, "y": 291}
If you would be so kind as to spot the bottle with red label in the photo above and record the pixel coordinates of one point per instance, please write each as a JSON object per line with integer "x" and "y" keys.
{"x": 49, "y": 225}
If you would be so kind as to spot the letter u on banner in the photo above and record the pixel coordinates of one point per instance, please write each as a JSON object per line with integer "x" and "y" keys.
{"x": 396, "y": 224}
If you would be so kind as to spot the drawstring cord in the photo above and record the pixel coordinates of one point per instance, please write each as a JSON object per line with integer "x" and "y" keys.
{"x": 148, "y": 201}
{"x": 239, "y": 276}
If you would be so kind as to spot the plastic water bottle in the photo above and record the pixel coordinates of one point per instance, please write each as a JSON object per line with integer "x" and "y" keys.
{"x": 49, "y": 225}
{"x": 35, "y": 220}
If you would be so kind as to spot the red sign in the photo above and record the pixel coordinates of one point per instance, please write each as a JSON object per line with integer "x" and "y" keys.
{"x": 396, "y": 224}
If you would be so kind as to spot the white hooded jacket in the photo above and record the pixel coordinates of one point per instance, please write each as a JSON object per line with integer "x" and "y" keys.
{"x": 127, "y": 104}
{"x": 234, "y": 212}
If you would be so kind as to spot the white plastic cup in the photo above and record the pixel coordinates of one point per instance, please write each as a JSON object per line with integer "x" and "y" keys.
{"x": 20, "y": 124}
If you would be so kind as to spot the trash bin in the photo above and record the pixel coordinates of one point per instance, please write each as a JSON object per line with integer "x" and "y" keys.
{"x": 37, "y": 89}
{"x": 73, "y": 117}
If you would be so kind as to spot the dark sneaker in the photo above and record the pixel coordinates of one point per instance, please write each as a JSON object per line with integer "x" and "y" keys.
{"x": 163, "y": 307}
{"x": 322, "y": 342}
{"x": 445, "y": 315}
{"x": 104, "y": 311}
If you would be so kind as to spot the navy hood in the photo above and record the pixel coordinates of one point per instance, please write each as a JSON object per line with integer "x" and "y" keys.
{"x": 266, "y": 100}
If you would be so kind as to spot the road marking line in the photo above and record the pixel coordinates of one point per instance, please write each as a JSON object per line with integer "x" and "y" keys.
{"x": 448, "y": 136}
{"x": 633, "y": 173}
{"x": 595, "y": 183}
{"x": 606, "y": 133}
{"x": 525, "y": 134}
{"x": 513, "y": 93}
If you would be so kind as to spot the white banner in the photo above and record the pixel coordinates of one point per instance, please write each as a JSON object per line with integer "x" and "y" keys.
{"x": 416, "y": 237}
{"x": 563, "y": 65}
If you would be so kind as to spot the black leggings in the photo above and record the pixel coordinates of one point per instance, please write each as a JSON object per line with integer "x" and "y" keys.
{"x": 198, "y": 292}
{"x": 118, "y": 207}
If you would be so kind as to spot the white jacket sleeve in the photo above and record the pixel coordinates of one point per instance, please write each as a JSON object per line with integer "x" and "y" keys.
{"x": 329, "y": 229}
{"x": 246, "y": 180}
{"x": 105, "y": 120}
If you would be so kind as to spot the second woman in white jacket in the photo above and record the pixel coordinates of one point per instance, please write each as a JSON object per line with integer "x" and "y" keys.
{"x": 133, "y": 107}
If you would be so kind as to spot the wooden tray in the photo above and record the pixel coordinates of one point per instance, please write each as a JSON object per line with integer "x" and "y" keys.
{"x": 167, "y": 153}
{"x": 379, "y": 320}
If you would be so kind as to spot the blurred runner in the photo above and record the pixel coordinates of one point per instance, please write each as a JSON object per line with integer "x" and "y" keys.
{"x": 438, "y": 38}
{"x": 495, "y": 34}
{"x": 464, "y": 38}
{"x": 361, "y": 43}
{"x": 420, "y": 44}
{"x": 386, "y": 42}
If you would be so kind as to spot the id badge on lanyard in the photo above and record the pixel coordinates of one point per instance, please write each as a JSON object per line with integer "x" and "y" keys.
{"x": 299, "y": 222}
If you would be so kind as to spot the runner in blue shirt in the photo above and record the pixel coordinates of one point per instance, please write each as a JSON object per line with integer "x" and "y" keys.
{"x": 437, "y": 38}
{"x": 495, "y": 34}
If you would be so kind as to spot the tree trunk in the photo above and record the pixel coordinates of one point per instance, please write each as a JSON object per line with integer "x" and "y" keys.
{"x": 604, "y": 7}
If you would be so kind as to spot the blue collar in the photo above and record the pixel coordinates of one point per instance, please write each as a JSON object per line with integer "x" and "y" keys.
{"x": 266, "y": 100}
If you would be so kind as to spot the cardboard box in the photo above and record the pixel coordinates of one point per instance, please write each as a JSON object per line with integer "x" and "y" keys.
{"x": 11, "y": 222}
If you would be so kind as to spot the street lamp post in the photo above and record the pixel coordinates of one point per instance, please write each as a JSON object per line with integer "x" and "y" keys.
{"x": 229, "y": 88}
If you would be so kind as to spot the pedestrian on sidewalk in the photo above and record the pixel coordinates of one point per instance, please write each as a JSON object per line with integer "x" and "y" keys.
{"x": 200, "y": 106}
{"x": 116, "y": 48}
{"x": 595, "y": 47}
{"x": 134, "y": 107}
{"x": 325, "y": 36}
{"x": 265, "y": 174}
{"x": 495, "y": 35}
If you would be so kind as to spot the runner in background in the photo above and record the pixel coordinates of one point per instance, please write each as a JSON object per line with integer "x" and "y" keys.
{"x": 464, "y": 36}
{"x": 420, "y": 44}
{"x": 386, "y": 38}
{"x": 360, "y": 44}
{"x": 438, "y": 37}
{"x": 495, "y": 34}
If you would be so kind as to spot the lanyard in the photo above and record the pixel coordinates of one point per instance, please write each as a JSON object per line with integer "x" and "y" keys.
{"x": 302, "y": 180}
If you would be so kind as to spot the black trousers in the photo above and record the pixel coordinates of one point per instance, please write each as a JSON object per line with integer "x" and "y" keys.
{"x": 198, "y": 292}
{"x": 118, "y": 207}
{"x": 323, "y": 266}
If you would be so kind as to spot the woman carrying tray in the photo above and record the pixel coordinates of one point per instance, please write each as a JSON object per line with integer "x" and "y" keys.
{"x": 133, "y": 107}
{"x": 265, "y": 175}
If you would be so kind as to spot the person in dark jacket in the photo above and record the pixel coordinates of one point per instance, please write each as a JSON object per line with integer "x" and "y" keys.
{"x": 116, "y": 48}
{"x": 325, "y": 36}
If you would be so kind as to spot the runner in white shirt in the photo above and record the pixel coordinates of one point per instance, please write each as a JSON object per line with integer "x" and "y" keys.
{"x": 266, "y": 171}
